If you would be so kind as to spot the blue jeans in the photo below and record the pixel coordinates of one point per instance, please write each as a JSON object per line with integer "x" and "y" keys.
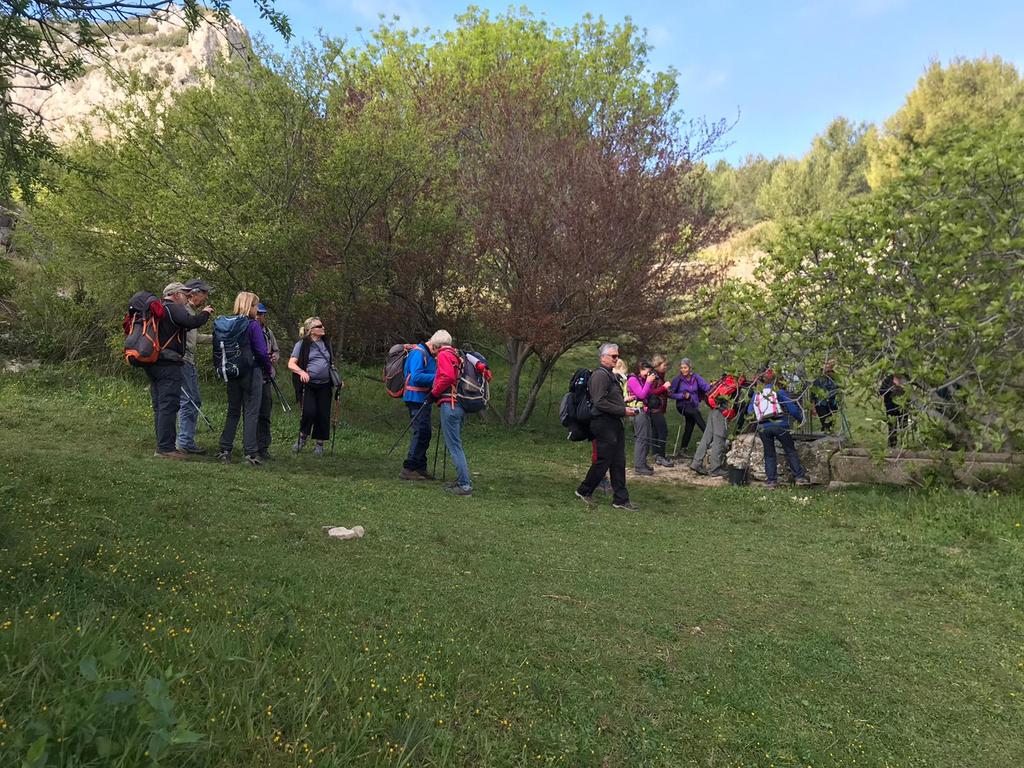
{"x": 188, "y": 415}
{"x": 420, "y": 413}
{"x": 769, "y": 433}
{"x": 451, "y": 426}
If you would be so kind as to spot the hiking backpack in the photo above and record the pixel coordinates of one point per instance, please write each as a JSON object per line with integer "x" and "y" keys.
{"x": 395, "y": 381}
{"x": 766, "y": 404}
{"x": 473, "y": 390}
{"x": 141, "y": 324}
{"x": 575, "y": 409}
{"x": 232, "y": 351}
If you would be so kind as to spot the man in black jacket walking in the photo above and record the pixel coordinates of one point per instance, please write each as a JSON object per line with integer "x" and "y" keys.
{"x": 165, "y": 375}
{"x": 609, "y": 408}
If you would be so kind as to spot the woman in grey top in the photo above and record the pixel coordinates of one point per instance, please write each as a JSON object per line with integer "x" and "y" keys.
{"x": 311, "y": 363}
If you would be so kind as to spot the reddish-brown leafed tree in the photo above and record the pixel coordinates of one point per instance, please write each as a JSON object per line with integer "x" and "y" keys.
{"x": 579, "y": 231}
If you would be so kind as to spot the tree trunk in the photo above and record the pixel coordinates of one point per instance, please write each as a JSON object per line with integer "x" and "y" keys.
{"x": 544, "y": 371}
{"x": 518, "y": 352}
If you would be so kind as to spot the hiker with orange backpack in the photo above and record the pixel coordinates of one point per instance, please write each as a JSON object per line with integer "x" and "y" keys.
{"x": 419, "y": 370}
{"x": 161, "y": 325}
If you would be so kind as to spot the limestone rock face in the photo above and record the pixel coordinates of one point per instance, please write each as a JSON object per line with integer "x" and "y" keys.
{"x": 157, "y": 48}
{"x": 815, "y": 457}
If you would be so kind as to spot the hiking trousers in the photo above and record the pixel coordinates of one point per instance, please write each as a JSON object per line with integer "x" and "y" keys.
{"x": 263, "y": 437}
{"x": 692, "y": 418}
{"x": 315, "y": 421}
{"x": 165, "y": 392}
{"x": 188, "y": 411}
{"x": 420, "y": 415}
{"x": 712, "y": 442}
{"x": 244, "y": 395}
{"x": 452, "y": 419}
{"x": 659, "y": 428}
{"x": 643, "y": 431}
{"x": 769, "y": 433}
{"x": 609, "y": 457}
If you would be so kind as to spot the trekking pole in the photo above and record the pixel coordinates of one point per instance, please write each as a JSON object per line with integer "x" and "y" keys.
{"x": 302, "y": 403}
{"x": 407, "y": 428}
{"x": 198, "y": 409}
{"x": 280, "y": 396}
{"x": 335, "y": 415}
{"x": 679, "y": 439}
{"x": 437, "y": 446}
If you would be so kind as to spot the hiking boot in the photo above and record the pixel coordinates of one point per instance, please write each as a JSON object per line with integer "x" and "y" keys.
{"x": 629, "y": 506}
{"x": 224, "y": 457}
{"x": 699, "y": 470}
{"x": 661, "y": 461}
{"x": 195, "y": 450}
{"x": 318, "y": 449}
{"x": 253, "y": 460}
{"x": 425, "y": 475}
{"x": 299, "y": 444}
{"x": 458, "y": 490}
{"x": 604, "y": 486}
{"x": 644, "y": 471}
{"x": 771, "y": 485}
{"x": 720, "y": 472}
{"x": 264, "y": 455}
{"x": 588, "y": 500}
{"x": 803, "y": 480}
{"x": 410, "y": 474}
{"x": 175, "y": 455}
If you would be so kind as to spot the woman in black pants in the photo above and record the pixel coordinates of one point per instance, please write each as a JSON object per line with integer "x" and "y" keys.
{"x": 688, "y": 389}
{"x": 311, "y": 362}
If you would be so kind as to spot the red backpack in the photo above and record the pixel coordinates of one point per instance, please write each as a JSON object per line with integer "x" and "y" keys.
{"x": 141, "y": 324}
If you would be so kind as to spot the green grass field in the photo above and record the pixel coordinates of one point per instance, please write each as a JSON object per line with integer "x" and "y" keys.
{"x": 192, "y": 614}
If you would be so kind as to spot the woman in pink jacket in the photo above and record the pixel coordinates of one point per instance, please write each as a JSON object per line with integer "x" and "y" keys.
{"x": 638, "y": 388}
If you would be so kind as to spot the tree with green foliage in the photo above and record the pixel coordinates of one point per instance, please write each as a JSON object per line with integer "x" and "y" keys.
{"x": 829, "y": 175}
{"x": 736, "y": 190}
{"x": 46, "y": 43}
{"x": 923, "y": 277}
{"x": 974, "y": 92}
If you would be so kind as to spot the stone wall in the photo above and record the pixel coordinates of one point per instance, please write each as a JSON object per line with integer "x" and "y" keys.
{"x": 815, "y": 457}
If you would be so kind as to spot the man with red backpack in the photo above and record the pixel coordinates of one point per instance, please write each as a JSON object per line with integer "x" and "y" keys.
{"x": 419, "y": 369}
{"x": 722, "y": 399}
{"x": 165, "y": 374}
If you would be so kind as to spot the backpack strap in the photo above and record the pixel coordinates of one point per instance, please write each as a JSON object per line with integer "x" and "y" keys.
{"x": 423, "y": 350}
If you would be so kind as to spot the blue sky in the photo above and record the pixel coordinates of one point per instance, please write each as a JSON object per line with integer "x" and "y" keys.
{"x": 787, "y": 68}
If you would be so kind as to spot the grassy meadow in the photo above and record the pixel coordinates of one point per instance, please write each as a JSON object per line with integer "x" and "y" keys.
{"x": 193, "y": 614}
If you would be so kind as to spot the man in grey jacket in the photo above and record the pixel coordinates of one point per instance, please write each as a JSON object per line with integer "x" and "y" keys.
{"x": 191, "y": 400}
{"x": 609, "y": 408}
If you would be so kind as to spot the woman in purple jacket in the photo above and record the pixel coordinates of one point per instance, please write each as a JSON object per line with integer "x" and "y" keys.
{"x": 245, "y": 390}
{"x": 688, "y": 389}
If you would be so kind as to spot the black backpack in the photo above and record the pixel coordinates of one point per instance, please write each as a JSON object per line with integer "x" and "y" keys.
{"x": 575, "y": 409}
{"x": 473, "y": 390}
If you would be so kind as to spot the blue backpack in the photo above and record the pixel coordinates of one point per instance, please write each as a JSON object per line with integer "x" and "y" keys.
{"x": 232, "y": 350}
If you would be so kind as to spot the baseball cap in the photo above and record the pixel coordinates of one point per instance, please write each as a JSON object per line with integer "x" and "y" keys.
{"x": 172, "y": 288}
{"x": 260, "y": 309}
{"x": 198, "y": 284}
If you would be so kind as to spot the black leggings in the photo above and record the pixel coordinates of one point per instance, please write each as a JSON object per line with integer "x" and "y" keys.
{"x": 316, "y": 411}
{"x": 659, "y": 428}
{"x": 692, "y": 417}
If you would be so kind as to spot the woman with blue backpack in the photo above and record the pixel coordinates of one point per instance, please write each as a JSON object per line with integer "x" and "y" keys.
{"x": 240, "y": 358}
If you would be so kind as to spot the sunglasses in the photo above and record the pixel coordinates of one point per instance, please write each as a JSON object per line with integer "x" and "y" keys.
{"x": 614, "y": 357}
{"x": 318, "y": 325}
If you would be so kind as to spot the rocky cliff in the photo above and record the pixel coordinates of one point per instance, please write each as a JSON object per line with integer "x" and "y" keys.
{"x": 157, "y": 48}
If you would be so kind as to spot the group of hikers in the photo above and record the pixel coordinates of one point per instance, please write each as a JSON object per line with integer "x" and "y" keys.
{"x": 162, "y": 337}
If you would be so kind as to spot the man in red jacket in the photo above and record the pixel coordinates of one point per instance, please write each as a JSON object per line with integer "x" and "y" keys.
{"x": 446, "y": 380}
{"x": 722, "y": 399}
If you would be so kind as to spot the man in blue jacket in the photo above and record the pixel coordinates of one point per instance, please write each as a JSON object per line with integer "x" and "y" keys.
{"x": 773, "y": 407}
{"x": 420, "y": 367}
